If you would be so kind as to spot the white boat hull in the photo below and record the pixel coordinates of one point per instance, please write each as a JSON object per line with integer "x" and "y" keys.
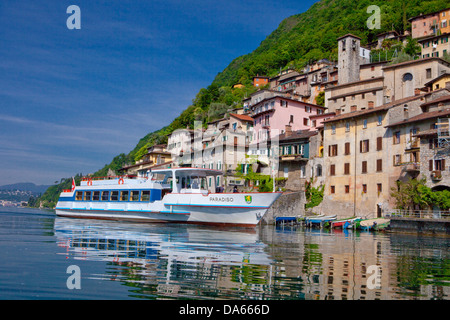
{"x": 213, "y": 209}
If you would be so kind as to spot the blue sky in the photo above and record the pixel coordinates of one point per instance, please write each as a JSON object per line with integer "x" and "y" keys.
{"x": 71, "y": 100}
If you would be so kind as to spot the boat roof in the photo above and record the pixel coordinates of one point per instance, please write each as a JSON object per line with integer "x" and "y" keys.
{"x": 189, "y": 171}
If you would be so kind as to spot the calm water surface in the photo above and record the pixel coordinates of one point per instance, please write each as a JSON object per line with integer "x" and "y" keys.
{"x": 136, "y": 261}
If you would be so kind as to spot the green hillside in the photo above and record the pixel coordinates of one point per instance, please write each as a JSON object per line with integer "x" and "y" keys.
{"x": 298, "y": 40}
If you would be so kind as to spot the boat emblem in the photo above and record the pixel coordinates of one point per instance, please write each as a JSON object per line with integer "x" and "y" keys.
{"x": 248, "y": 199}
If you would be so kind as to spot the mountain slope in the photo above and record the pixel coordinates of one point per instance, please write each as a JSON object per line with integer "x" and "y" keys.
{"x": 298, "y": 40}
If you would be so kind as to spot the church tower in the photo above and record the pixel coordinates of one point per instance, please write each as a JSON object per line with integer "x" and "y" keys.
{"x": 349, "y": 58}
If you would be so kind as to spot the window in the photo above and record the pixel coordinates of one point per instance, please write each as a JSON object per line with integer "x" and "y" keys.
{"x": 333, "y": 129}
{"x": 370, "y": 105}
{"x": 397, "y": 159}
{"x": 438, "y": 165}
{"x": 346, "y": 168}
{"x": 96, "y": 196}
{"x": 396, "y": 137}
{"x": 364, "y": 146}
{"x": 284, "y": 103}
{"x": 428, "y": 73}
{"x": 87, "y": 196}
{"x": 291, "y": 118}
{"x": 79, "y": 195}
{"x": 145, "y": 195}
{"x": 353, "y": 108}
{"x": 347, "y": 189}
{"x": 134, "y": 195}
{"x": 333, "y": 150}
{"x": 364, "y": 167}
{"x": 114, "y": 195}
{"x": 379, "y": 165}
{"x": 332, "y": 189}
{"x": 347, "y": 148}
{"x": 332, "y": 170}
{"x": 305, "y": 121}
{"x": 379, "y": 143}
{"x": 105, "y": 195}
{"x": 380, "y": 120}
{"x": 364, "y": 188}
{"x": 347, "y": 126}
{"x": 379, "y": 188}
{"x": 365, "y": 124}
{"x": 319, "y": 170}
{"x": 124, "y": 195}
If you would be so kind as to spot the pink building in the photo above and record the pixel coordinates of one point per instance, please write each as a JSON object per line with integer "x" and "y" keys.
{"x": 424, "y": 25}
{"x": 277, "y": 112}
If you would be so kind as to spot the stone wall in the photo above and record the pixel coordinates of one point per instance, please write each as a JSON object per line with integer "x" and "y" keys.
{"x": 288, "y": 205}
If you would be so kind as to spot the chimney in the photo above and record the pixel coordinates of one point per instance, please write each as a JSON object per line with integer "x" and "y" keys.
{"x": 288, "y": 131}
{"x": 417, "y": 92}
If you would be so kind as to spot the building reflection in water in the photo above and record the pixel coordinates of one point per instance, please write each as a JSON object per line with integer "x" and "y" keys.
{"x": 183, "y": 261}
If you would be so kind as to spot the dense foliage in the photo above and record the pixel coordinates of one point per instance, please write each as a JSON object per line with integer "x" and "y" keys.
{"x": 414, "y": 194}
{"x": 299, "y": 40}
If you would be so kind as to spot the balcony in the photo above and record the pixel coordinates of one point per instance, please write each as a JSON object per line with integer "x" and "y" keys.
{"x": 436, "y": 175}
{"x": 413, "y": 144}
{"x": 412, "y": 167}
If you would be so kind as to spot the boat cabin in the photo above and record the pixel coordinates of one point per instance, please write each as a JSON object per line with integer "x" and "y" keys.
{"x": 187, "y": 180}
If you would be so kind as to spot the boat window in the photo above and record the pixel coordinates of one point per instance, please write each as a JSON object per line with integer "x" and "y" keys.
{"x": 145, "y": 195}
{"x": 183, "y": 182}
{"x": 134, "y": 195}
{"x": 79, "y": 195}
{"x": 105, "y": 195}
{"x": 87, "y": 196}
{"x": 124, "y": 195}
{"x": 96, "y": 196}
{"x": 114, "y": 195}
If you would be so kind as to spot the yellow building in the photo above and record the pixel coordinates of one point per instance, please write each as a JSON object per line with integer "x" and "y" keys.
{"x": 439, "y": 83}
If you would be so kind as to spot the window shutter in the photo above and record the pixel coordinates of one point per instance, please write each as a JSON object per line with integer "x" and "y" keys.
{"x": 431, "y": 165}
{"x": 443, "y": 164}
{"x": 379, "y": 143}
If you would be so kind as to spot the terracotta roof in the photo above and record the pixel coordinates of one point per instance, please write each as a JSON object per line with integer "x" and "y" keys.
{"x": 242, "y": 117}
{"x": 295, "y": 135}
{"x": 423, "y": 116}
{"x": 436, "y": 101}
{"x": 431, "y": 132}
{"x": 384, "y": 107}
{"x": 415, "y": 61}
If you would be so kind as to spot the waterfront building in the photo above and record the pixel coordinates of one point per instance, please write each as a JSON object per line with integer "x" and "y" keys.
{"x": 427, "y": 143}
{"x": 180, "y": 145}
{"x": 365, "y": 154}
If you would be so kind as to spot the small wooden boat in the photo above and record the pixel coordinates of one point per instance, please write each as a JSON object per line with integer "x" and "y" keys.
{"x": 319, "y": 219}
{"x": 344, "y": 223}
{"x": 372, "y": 224}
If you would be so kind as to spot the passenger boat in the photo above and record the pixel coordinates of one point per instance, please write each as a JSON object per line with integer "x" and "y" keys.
{"x": 165, "y": 195}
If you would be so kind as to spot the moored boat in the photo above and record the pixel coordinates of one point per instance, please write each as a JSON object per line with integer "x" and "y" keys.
{"x": 373, "y": 224}
{"x": 319, "y": 220}
{"x": 167, "y": 195}
{"x": 344, "y": 223}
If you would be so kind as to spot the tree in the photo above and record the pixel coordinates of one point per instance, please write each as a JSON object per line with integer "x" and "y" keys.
{"x": 412, "y": 47}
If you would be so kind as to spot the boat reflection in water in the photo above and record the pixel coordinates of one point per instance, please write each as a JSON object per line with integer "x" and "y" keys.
{"x": 175, "y": 260}
{"x": 195, "y": 262}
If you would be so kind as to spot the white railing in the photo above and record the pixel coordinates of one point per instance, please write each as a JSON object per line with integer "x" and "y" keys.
{"x": 421, "y": 214}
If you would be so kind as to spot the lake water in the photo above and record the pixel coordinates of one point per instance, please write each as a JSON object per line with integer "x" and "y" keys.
{"x": 115, "y": 260}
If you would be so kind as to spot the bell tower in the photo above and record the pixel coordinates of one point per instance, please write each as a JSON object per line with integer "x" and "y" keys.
{"x": 349, "y": 58}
